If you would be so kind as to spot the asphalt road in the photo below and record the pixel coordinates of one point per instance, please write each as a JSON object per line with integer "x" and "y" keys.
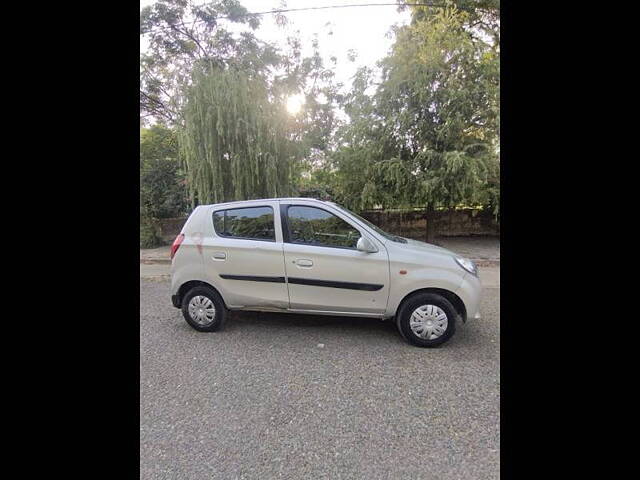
{"x": 260, "y": 399}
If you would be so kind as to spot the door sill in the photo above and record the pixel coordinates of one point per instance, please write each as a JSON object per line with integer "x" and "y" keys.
{"x": 331, "y": 313}
{"x": 336, "y": 313}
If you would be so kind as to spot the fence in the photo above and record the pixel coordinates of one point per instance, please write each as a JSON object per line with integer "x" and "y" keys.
{"x": 447, "y": 223}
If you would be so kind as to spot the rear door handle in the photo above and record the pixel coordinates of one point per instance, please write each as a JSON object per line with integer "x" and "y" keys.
{"x": 219, "y": 256}
{"x": 303, "y": 262}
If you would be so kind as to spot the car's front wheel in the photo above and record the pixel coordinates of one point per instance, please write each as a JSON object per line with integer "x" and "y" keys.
{"x": 427, "y": 320}
{"x": 203, "y": 309}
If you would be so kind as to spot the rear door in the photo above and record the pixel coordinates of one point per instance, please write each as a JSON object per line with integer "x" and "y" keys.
{"x": 325, "y": 271}
{"x": 244, "y": 256}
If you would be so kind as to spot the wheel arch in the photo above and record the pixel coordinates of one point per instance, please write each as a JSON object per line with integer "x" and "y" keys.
{"x": 185, "y": 287}
{"x": 454, "y": 299}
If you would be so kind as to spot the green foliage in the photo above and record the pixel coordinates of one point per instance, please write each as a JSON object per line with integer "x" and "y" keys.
{"x": 423, "y": 126}
{"x": 238, "y": 140}
{"x": 150, "y": 233}
{"x": 182, "y": 33}
{"x": 235, "y": 140}
{"x": 162, "y": 190}
{"x": 225, "y": 93}
{"x": 428, "y": 132}
{"x": 162, "y": 193}
{"x": 315, "y": 124}
{"x": 315, "y": 190}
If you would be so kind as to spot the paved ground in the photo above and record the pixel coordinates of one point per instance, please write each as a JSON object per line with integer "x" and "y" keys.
{"x": 489, "y": 277}
{"x": 478, "y": 248}
{"x": 262, "y": 400}
{"x": 154, "y": 270}
{"x": 155, "y": 254}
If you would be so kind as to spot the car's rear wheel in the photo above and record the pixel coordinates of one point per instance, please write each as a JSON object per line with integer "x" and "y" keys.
{"x": 427, "y": 320}
{"x": 203, "y": 309}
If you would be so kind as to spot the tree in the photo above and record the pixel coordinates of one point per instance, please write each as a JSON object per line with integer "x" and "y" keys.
{"x": 162, "y": 190}
{"x": 429, "y": 133}
{"x": 236, "y": 138}
{"x": 190, "y": 55}
{"x": 182, "y": 33}
{"x": 313, "y": 128}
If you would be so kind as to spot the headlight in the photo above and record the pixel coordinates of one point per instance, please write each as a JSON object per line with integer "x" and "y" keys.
{"x": 468, "y": 265}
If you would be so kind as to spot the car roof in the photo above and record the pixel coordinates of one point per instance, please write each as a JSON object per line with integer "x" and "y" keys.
{"x": 278, "y": 199}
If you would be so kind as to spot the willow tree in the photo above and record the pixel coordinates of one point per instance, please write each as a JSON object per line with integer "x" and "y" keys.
{"x": 236, "y": 139}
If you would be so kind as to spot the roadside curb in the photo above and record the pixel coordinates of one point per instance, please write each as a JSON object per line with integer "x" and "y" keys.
{"x": 155, "y": 261}
{"x": 156, "y": 278}
{"x": 481, "y": 262}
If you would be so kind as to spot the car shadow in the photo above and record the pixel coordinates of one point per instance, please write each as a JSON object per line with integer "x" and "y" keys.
{"x": 266, "y": 324}
{"x": 241, "y": 320}
{"x": 331, "y": 326}
{"x": 302, "y": 320}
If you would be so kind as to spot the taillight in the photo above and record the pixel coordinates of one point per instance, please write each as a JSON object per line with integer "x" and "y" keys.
{"x": 176, "y": 244}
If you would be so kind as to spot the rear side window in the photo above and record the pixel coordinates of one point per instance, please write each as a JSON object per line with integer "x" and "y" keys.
{"x": 255, "y": 223}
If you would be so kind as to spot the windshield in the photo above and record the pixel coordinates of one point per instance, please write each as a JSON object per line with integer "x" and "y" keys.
{"x": 389, "y": 236}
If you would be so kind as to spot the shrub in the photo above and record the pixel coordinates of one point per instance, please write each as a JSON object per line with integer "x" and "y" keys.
{"x": 150, "y": 234}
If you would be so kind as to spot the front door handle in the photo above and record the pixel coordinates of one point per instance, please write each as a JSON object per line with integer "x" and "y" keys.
{"x": 303, "y": 262}
{"x": 219, "y": 255}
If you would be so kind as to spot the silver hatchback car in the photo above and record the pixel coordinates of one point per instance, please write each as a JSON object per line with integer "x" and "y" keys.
{"x": 309, "y": 256}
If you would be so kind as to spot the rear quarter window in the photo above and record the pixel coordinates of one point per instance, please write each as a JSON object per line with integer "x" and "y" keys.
{"x": 251, "y": 223}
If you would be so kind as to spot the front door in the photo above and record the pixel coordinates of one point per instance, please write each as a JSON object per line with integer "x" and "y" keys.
{"x": 325, "y": 272}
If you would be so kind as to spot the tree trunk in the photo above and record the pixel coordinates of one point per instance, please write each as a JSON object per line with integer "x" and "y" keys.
{"x": 430, "y": 228}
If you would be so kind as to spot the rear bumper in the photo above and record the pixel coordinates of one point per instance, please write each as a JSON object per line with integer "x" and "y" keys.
{"x": 176, "y": 301}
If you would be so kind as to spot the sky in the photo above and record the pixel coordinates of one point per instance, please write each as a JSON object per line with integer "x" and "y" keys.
{"x": 362, "y": 29}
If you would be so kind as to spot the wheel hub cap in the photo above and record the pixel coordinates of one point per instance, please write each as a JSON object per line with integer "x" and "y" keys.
{"x": 202, "y": 310}
{"x": 428, "y": 322}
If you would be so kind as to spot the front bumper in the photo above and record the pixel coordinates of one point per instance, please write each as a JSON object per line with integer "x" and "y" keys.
{"x": 470, "y": 292}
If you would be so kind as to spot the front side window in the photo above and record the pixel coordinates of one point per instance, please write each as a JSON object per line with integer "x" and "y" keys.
{"x": 254, "y": 223}
{"x": 315, "y": 226}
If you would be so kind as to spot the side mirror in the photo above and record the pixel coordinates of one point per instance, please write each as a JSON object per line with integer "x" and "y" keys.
{"x": 366, "y": 245}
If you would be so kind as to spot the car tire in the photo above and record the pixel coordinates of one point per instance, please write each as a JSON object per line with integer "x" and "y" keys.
{"x": 203, "y": 309}
{"x": 427, "y": 320}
